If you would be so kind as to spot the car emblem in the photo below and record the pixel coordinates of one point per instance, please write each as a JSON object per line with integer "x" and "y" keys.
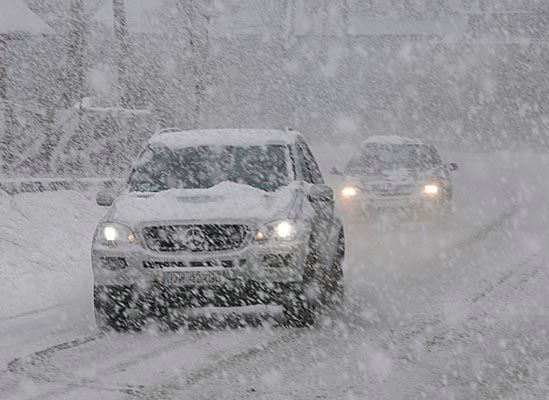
{"x": 193, "y": 239}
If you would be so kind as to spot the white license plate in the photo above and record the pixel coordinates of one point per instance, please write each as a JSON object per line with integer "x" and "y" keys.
{"x": 193, "y": 278}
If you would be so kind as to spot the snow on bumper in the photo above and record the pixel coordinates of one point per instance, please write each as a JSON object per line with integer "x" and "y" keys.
{"x": 416, "y": 201}
{"x": 265, "y": 263}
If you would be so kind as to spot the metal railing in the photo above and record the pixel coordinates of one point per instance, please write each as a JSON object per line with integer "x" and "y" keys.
{"x": 31, "y": 185}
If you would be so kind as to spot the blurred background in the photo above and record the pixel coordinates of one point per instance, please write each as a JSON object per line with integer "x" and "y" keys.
{"x": 84, "y": 82}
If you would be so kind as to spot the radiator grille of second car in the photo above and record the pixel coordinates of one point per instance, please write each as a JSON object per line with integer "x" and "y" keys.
{"x": 387, "y": 190}
{"x": 195, "y": 238}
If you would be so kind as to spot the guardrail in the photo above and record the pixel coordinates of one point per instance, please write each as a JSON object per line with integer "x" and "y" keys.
{"x": 30, "y": 185}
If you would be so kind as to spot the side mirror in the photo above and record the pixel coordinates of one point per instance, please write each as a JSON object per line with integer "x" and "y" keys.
{"x": 105, "y": 197}
{"x": 336, "y": 171}
{"x": 453, "y": 167}
{"x": 321, "y": 194}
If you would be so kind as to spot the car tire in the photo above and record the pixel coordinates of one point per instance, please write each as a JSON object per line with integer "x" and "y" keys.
{"x": 112, "y": 315}
{"x": 299, "y": 313}
{"x": 334, "y": 290}
{"x": 117, "y": 322}
{"x": 353, "y": 213}
{"x": 443, "y": 214}
{"x": 298, "y": 309}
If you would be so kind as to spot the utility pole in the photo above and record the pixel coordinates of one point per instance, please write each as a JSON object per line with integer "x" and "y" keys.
{"x": 73, "y": 85}
{"x": 4, "y": 136}
{"x": 76, "y": 53}
{"x": 3, "y": 75}
{"x": 123, "y": 51}
{"x": 6, "y": 155}
{"x": 196, "y": 16}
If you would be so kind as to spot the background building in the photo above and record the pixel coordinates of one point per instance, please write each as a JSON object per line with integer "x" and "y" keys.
{"x": 462, "y": 73}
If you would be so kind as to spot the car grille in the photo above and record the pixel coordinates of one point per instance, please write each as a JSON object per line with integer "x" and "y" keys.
{"x": 387, "y": 190}
{"x": 193, "y": 264}
{"x": 196, "y": 238}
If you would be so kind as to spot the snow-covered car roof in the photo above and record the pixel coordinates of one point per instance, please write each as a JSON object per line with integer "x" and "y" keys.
{"x": 226, "y": 137}
{"x": 392, "y": 139}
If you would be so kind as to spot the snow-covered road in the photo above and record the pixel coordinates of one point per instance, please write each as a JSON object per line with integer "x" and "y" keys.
{"x": 456, "y": 311}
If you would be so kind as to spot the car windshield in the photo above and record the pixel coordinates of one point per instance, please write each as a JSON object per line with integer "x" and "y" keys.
{"x": 376, "y": 157}
{"x": 158, "y": 169}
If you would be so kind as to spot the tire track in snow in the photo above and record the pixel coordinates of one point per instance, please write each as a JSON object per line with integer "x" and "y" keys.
{"x": 68, "y": 385}
{"x": 21, "y": 366}
{"x": 502, "y": 289}
{"x": 35, "y": 312}
{"x": 161, "y": 390}
{"x": 446, "y": 369}
{"x": 425, "y": 324}
{"x": 18, "y": 366}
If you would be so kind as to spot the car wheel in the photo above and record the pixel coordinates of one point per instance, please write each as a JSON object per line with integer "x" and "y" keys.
{"x": 353, "y": 214}
{"x": 111, "y": 314}
{"x": 334, "y": 288}
{"x": 443, "y": 214}
{"x": 300, "y": 313}
{"x": 111, "y": 321}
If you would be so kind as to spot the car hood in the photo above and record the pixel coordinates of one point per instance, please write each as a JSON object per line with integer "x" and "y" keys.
{"x": 226, "y": 201}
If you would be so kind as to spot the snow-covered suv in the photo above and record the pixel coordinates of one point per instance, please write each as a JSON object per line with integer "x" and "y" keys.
{"x": 218, "y": 218}
{"x": 396, "y": 173}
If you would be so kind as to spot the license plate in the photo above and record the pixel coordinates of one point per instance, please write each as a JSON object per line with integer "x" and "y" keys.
{"x": 193, "y": 278}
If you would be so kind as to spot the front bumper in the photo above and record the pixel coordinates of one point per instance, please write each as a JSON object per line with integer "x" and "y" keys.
{"x": 160, "y": 300}
{"x": 415, "y": 201}
{"x": 256, "y": 274}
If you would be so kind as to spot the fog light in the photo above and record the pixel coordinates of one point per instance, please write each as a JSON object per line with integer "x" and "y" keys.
{"x": 259, "y": 236}
{"x": 114, "y": 263}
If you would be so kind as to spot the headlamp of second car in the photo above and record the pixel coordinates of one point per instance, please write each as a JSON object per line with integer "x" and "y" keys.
{"x": 430, "y": 189}
{"x": 348, "y": 191}
{"x": 113, "y": 234}
{"x": 281, "y": 230}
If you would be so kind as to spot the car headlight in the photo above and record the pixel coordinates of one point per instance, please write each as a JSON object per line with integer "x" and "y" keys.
{"x": 111, "y": 233}
{"x": 349, "y": 191}
{"x": 430, "y": 189}
{"x": 279, "y": 230}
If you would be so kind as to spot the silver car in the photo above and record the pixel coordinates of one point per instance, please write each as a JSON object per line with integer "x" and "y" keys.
{"x": 218, "y": 218}
{"x": 392, "y": 173}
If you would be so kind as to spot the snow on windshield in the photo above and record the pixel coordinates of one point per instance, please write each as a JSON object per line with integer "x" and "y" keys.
{"x": 262, "y": 167}
{"x": 376, "y": 157}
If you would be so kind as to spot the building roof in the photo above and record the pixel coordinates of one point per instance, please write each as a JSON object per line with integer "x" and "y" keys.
{"x": 227, "y": 137}
{"x": 18, "y": 19}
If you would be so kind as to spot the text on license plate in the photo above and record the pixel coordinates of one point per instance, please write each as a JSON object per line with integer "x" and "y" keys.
{"x": 193, "y": 278}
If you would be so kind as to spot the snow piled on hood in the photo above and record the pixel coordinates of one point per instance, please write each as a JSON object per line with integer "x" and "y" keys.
{"x": 225, "y": 201}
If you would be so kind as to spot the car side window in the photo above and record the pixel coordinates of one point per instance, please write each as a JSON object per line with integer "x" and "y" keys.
{"x": 435, "y": 156}
{"x": 301, "y": 161}
{"x": 311, "y": 172}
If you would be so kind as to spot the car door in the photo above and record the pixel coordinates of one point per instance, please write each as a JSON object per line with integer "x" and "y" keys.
{"x": 443, "y": 174}
{"x": 325, "y": 224}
